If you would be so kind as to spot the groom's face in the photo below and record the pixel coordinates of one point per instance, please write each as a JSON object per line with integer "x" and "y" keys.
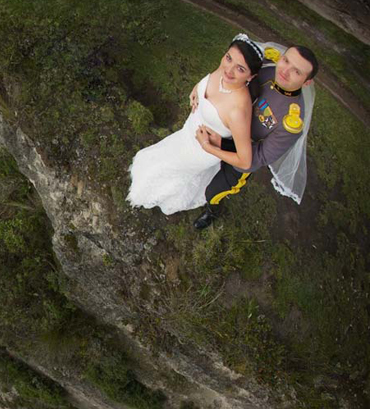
{"x": 292, "y": 70}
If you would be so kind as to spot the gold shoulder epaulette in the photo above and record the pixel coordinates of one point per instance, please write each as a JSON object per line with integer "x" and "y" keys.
{"x": 292, "y": 122}
{"x": 272, "y": 54}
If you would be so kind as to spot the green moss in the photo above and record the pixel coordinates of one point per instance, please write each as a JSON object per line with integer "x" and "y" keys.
{"x": 341, "y": 160}
{"x": 140, "y": 117}
{"x": 330, "y": 292}
{"x": 72, "y": 243}
{"x": 108, "y": 261}
{"x": 6, "y": 110}
{"x": 119, "y": 194}
{"x": 9, "y": 235}
{"x": 33, "y": 390}
{"x": 112, "y": 376}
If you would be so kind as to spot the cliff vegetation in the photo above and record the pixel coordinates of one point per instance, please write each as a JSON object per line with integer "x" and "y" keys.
{"x": 274, "y": 292}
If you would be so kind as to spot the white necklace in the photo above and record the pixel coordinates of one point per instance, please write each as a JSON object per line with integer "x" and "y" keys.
{"x": 222, "y": 89}
{"x": 228, "y": 91}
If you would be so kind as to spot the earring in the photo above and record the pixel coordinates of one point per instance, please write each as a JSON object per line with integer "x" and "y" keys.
{"x": 247, "y": 83}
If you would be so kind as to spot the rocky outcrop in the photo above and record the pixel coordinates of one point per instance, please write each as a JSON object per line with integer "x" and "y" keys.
{"x": 351, "y": 16}
{"x": 84, "y": 237}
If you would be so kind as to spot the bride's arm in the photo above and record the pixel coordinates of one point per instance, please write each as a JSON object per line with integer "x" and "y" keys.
{"x": 240, "y": 127}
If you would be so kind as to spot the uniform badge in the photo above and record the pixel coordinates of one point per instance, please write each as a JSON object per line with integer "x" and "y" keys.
{"x": 265, "y": 114}
{"x": 292, "y": 122}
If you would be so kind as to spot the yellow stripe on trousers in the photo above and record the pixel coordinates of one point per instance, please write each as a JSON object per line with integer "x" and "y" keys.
{"x": 234, "y": 189}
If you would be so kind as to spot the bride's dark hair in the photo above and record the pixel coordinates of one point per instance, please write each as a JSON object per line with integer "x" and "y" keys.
{"x": 251, "y": 57}
{"x": 254, "y": 61}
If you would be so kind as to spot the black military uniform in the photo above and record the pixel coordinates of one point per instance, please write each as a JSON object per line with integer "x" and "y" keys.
{"x": 276, "y": 126}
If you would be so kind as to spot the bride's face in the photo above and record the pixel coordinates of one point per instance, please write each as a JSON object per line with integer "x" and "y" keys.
{"x": 234, "y": 69}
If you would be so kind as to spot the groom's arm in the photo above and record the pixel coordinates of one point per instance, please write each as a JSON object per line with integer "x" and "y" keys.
{"x": 266, "y": 151}
{"x": 228, "y": 145}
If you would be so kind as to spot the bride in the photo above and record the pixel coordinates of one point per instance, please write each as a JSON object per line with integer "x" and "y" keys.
{"x": 174, "y": 172}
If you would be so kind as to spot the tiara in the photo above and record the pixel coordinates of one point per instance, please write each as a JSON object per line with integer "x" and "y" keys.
{"x": 245, "y": 38}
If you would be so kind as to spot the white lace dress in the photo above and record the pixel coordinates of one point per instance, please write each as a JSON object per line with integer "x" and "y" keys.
{"x": 174, "y": 173}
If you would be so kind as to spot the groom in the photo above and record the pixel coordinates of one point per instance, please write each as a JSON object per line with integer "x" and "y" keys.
{"x": 281, "y": 80}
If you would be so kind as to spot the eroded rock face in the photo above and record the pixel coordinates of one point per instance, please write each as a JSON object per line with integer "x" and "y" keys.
{"x": 7, "y": 398}
{"x": 352, "y": 16}
{"x": 84, "y": 237}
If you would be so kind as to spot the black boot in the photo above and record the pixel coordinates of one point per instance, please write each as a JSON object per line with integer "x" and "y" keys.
{"x": 210, "y": 213}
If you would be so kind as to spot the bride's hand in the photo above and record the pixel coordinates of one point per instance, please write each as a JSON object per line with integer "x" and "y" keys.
{"x": 194, "y": 101}
{"x": 202, "y": 137}
{"x": 214, "y": 137}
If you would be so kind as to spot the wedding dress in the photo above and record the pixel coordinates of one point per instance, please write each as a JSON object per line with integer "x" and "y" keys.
{"x": 174, "y": 173}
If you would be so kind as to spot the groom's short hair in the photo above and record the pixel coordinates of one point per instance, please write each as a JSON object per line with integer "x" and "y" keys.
{"x": 308, "y": 55}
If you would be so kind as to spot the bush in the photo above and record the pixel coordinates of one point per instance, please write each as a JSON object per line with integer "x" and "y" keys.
{"x": 111, "y": 374}
{"x": 34, "y": 390}
{"x": 140, "y": 117}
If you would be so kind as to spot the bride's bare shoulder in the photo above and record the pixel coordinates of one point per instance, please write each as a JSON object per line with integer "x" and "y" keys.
{"x": 243, "y": 100}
